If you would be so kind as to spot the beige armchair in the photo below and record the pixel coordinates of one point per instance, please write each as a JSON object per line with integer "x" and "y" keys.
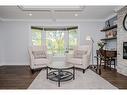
{"x": 82, "y": 61}
{"x": 39, "y": 57}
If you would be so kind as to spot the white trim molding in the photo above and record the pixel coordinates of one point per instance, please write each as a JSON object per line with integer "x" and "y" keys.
{"x": 122, "y": 69}
{"x": 1, "y": 64}
{"x": 12, "y": 63}
{"x": 56, "y": 20}
{"x": 1, "y": 19}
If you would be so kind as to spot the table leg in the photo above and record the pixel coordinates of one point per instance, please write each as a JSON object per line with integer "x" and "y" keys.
{"x": 47, "y": 72}
{"x": 73, "y": 73}
{"x": 59, "y": 71}
{"x": 97, "y": 63}
{"x": 114, "y": 64}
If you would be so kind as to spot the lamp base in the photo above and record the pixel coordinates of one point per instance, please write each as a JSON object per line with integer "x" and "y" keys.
{"x": 95, "y": 68}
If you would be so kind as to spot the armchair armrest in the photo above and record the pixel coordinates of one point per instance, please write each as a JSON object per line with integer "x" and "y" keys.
{"x": 50, "y": 57}
{"x": 31, "y": 55}
{"x": 69, "y": 55}
{"x": 31, "y": 58}
{"x": 86, "y": 60}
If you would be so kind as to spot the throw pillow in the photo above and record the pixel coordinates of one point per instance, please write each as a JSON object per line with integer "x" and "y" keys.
{"x": 79, "y": 53}
{"x": 39, "y": 54}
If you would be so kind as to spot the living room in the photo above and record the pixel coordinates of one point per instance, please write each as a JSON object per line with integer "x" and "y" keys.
{"x": 63, "y": 47}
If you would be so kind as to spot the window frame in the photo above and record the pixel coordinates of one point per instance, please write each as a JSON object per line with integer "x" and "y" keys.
{"x": 43, "y": 37}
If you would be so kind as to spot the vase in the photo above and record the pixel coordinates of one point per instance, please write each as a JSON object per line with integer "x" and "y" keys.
{"x": 101, "y": 48}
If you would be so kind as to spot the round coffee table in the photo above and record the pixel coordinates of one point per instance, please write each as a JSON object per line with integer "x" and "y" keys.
{"x": 60, "y": 72}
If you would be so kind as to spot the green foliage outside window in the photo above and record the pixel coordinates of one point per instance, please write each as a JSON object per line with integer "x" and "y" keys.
{"x": 36, "y": 37}
{"x": 55, "y": 42}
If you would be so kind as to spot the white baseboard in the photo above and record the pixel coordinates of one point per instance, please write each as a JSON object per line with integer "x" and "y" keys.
{"x": 27, "y": 63}
{"x": 122, "y": 71}
{"x": 11, "y": 63}
{"x": 1, "y": 64}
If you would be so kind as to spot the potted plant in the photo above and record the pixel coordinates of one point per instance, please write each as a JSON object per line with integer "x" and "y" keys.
{"x": 101, "y": 45}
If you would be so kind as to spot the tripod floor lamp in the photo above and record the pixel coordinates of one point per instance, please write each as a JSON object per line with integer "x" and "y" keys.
{"x": 89, "y": 38}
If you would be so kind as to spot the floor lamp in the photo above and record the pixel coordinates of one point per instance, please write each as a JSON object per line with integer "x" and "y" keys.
{"x": 89, "y": 38}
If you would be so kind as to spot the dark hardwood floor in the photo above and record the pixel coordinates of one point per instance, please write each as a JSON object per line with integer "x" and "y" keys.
{"x": 20, "y": 77}
{"x": 116, "y": 79}
{"x": 16, "y": 77}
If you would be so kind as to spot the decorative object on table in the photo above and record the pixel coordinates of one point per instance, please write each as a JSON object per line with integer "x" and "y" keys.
{"x": 101, "y": 45}
{"x": 125, "y": 22}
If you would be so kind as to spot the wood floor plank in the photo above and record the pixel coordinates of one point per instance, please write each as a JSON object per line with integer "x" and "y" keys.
{"x": 16, "y": 77}
{"x": 116, "y": 79}
{"x": 20, "y": 77}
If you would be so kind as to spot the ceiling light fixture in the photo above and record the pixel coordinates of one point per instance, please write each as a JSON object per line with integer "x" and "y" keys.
{"x": 76, "y": 14}
{"x": 30, "y": 14}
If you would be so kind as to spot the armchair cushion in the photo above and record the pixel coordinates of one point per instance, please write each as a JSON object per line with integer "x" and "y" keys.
{"x": 79, "y": 53}
{"x": 41, "y": 61}
{"x": 75, "y": 60}
{"x": 39, "y": 54}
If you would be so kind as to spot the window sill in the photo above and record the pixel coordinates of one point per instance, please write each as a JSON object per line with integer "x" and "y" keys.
{"x": 59, "y": 55}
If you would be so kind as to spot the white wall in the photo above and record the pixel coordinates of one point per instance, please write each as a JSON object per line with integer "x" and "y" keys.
{"x": 111, "y": 44}
{"x": 16, "y": 43}
{"x": 1, "y": 44}
{"x": 17, "y": 37}
{"x": 121, "y": 37}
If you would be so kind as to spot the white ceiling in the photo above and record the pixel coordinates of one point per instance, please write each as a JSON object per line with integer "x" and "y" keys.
{"x": 86, "y": 13}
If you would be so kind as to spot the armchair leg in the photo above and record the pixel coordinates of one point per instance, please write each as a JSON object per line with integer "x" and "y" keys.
{"x": 32, "y": 71}
{"x": 83, "y": 70}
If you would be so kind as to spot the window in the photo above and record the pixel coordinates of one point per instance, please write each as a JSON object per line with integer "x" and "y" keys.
{"x": 55, "y": 42}
{"x": 58, "y": 40}
{"x": 72, "y": 39}
{"x": 36, "y": 37}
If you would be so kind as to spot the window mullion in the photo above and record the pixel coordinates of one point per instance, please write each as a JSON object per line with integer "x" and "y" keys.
{"x": 43, "y": 34}
{"x": 66, "y": 40}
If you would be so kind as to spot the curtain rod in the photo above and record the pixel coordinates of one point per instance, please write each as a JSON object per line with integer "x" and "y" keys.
{"x": 51, "y": 29}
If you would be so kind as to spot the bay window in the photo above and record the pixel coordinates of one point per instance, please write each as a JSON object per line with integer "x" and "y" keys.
{"x": 57, "y": 40}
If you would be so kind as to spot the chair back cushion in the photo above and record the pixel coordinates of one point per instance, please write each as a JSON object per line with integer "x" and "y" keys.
{"x": 39, "y": 51}
{"x": 39, "y": 54}
{"x": 39, "y": 48}
{"x": 79, "y": 51}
